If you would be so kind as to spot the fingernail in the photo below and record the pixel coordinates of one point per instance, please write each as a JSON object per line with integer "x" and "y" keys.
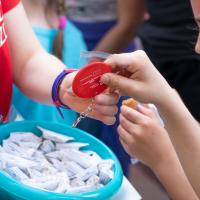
{"x": 105, "y": 79}
{"x": 139, "y": 105}
{"x": 70, "y": 91}
{"x": 123, "y": 108}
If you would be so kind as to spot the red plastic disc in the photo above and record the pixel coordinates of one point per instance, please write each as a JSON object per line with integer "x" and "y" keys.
{"x": 86, "y": 83}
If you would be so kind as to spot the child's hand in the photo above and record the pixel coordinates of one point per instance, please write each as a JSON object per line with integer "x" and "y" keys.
{"x": 137, "y": 77}
{"x": 105, "y": 107}
{"x": 143, "y": 137}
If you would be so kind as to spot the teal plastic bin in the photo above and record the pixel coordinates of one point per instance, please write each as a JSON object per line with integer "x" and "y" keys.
{"x": 11, "y": 189}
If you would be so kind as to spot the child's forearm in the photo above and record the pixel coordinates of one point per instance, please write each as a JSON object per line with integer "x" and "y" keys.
{"x": 38, "y": 75}
{"x": 175, "y": 181}
{"x": 184, "y": 132}
{"x": 33, "y": 69}
{"x": 117, "y": 33}
{"x": 129, "y": 15}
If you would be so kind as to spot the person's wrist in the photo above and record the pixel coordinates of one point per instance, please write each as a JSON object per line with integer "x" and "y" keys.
{"x": 65, "y": 87}
{"x": 164, "y": 163}
{"x": 56, "y": 97}
{"x": 170, "y": 104}
{"x": 166, "y": 97}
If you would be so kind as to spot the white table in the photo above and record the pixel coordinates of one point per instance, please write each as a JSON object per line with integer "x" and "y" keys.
{"x": 127, "y": 192}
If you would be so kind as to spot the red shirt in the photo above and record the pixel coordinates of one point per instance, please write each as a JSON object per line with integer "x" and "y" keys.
{"x": 5, "y": 60}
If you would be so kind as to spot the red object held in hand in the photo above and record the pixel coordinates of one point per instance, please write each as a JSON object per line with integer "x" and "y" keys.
{"x": 86, "y": 83}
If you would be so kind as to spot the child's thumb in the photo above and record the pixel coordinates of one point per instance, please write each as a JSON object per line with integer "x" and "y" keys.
{"x": 123, "y": 84}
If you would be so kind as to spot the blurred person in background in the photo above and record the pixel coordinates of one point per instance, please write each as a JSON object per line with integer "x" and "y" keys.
{"x": 168, "y": 38}
{"x": 107, "y": 25}
{"x": 58, "y": 36}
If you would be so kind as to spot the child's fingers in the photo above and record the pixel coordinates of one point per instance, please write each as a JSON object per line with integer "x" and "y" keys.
{"x": 107, "y": 99}
{"x": 108, "y": 120}
{"x": 151, "y": 111}
{"x": 126, "y": 140}
{"x": 130, "y": 127}
{"x": 124, "y": 135}
{"x": 105, "y": 118}
{"x": 126, "y": 147}
{"x": 146, "y": 111}
{"x": 132, "y": 115}
{"x": 106, "y": 110}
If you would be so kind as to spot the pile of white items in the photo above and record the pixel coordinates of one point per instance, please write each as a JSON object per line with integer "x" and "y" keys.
{"x": 54, "y": 162}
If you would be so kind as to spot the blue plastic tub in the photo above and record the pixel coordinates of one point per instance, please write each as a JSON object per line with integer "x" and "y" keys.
{"x": 11, "y": 189}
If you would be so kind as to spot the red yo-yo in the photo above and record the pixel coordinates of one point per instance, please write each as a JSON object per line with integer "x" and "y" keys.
{"x": 86, "y": 83}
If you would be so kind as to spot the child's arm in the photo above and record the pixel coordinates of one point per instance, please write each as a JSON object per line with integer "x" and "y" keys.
{"x": 34, "y": 70}
{"x": 184, "y": 132}
{"x": 144, "y": 138}
{"x": 130, "y": 14}
{"x": 142, "y": 81}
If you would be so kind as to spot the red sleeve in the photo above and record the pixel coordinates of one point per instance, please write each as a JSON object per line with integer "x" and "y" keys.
{"x": 8, "y": 5}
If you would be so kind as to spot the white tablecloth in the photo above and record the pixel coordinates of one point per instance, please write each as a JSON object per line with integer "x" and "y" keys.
{"x": 127, "y": 192}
